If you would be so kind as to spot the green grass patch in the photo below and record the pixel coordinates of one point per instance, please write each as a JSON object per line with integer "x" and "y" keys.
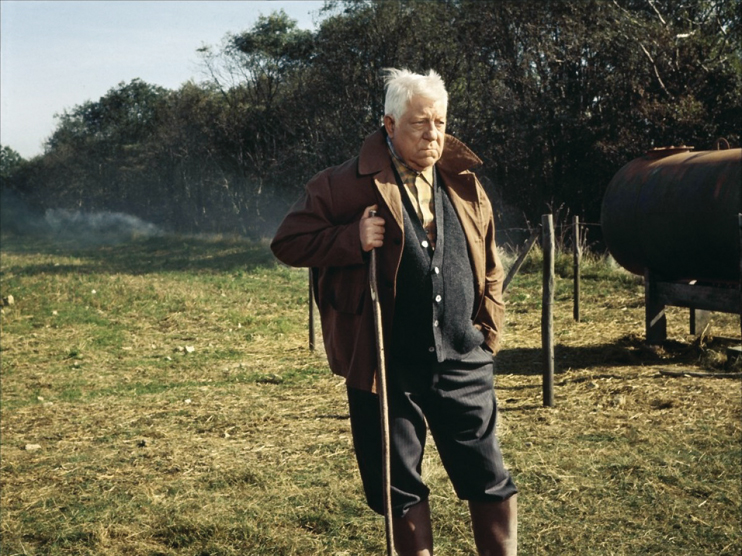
{"x": 159, "y": 398}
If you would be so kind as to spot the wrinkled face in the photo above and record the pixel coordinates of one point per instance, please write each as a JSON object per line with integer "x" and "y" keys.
{"x": 419, "y": 134}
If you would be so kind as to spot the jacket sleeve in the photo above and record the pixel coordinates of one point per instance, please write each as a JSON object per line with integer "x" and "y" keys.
{"x": 492, "y": 312}
{"x": 314, "y": 234}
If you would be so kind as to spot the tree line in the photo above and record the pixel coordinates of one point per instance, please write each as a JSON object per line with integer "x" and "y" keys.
{"x": 554, "y": 96}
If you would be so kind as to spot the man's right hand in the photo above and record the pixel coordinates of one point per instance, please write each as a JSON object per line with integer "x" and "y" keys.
{"x": 372, "y": 230}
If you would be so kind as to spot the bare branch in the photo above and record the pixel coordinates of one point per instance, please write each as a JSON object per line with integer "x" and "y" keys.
{"x": 624, "y": 10}
{"x": 657, "y": 12}
{"x": 656, "y": 71}
{"x": 721, "y": 26}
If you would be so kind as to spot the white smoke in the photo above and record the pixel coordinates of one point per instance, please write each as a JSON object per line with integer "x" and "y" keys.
{"x": 72, "y": 226}
{"x": 98, "y": 227}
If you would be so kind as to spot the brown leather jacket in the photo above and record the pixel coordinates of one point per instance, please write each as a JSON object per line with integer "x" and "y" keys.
{"x": 322, "y": 231}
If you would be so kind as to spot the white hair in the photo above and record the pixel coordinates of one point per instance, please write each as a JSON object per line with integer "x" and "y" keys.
{"x": 402, "y": 85}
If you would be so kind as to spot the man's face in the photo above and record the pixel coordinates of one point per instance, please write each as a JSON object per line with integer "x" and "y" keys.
{"x": 419, "y": 134}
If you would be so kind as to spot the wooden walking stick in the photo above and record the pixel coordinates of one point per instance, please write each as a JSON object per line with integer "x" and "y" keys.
{"x": 383, "y": 403}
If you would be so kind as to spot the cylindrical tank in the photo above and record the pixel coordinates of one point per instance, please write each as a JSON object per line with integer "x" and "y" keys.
{"x": 674, "y": 212}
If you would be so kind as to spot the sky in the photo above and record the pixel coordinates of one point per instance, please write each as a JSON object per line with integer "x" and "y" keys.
{"x": 55, "y": 55}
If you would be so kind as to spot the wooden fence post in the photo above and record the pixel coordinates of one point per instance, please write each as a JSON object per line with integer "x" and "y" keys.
{"x": 655, "y": 320}
{"x": 699, "y": 320}
{"x": 547, "y": 309}
{"x": 577, "y": 255}
{"x": 311, "y": 311}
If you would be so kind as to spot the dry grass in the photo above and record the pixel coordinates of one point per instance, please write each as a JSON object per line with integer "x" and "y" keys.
{"x": 242, "y": 444}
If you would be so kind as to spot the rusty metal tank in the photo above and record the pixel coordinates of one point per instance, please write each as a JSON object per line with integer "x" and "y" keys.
{"x": 675, "y": 213}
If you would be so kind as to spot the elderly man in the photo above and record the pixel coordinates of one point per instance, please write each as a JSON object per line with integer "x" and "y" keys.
{"x": 440, "y": 289}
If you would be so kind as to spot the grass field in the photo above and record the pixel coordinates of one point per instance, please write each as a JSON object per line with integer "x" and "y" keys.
{"x": 159, "y": 398}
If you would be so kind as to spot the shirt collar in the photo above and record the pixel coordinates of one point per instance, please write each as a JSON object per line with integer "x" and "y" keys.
{"x": 406, "y": 173}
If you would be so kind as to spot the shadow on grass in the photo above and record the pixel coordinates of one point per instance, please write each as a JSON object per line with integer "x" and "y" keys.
{"x": 141, "y": 256}
{"x": 630, "y": 350}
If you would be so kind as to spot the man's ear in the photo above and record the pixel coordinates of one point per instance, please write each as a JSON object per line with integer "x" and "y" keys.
{"x": 389, "y": 126}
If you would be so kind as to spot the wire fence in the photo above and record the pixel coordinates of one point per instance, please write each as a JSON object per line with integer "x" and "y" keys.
{"x": 512, "y": 240}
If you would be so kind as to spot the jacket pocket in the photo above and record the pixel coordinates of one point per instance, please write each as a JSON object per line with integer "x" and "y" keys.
{"x": 344, "y": 288}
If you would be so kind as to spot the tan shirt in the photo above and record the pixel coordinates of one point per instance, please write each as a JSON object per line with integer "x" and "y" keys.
{"x": 419, "y": 187}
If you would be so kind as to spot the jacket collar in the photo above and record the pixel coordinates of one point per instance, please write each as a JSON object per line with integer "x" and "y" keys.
{"x": 375, "y": 157}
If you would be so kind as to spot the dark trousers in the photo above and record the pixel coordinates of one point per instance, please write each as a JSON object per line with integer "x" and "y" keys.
{"x": 457, "y": 401}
